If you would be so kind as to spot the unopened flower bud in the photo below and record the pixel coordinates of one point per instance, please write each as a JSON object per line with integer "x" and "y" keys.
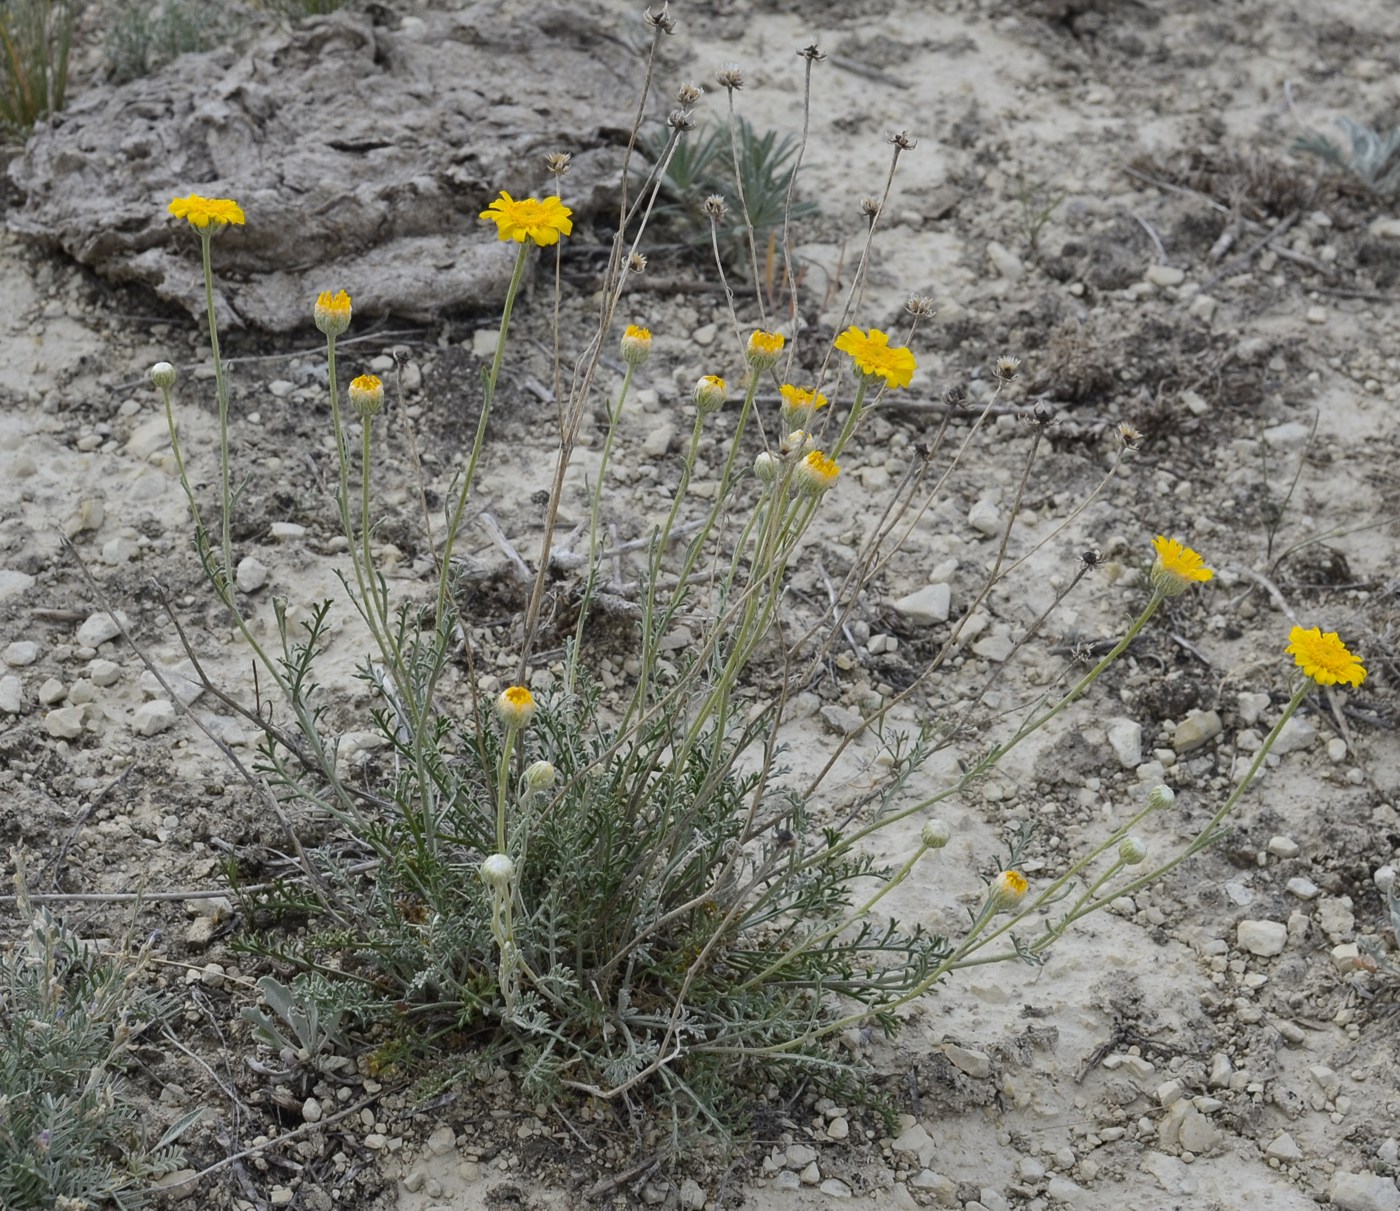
{"x": 710, "y": 394}
{"x": 1132, "y": 850}
{"x": 1159, "y": 798}
{"x": 799, "y": 441}
{"x": 497, "y": 871}
{"x": 636, "y": 345}
{"x": 515, "y": 706}
{"x": 366, "y": 395}
{"x": 936, "y": 834}
{"x": 332, "y": 312}
{"x": 1007, "y": 890}
{"x": 163, "y": 375}
{"x": 540, "y": 775}
{"x": 766, "y": 467}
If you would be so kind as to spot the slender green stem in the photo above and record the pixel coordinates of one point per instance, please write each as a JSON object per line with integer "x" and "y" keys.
{"x": 221, "y": 387}
{"x": 502, "y": 784}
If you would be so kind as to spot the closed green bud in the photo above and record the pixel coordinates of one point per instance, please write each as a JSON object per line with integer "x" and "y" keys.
{"x": 163, "y": 375}
{"x": 936, "y": 834}
{"x": 1159, "y": 798}
{"x": 1132, "y": 850}
{"x": 540, "y": 776}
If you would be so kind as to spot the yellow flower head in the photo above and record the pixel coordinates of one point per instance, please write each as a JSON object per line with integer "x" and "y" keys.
{"x": 636, "y": 345}
{"x": 205, "y": 214}
{"x": 332, "y": 312}
{"x": 817, "y": 473}
{"x": 1177, "y": 568}
{"x": 1324, "y": 658}
{"x": 764, "y": 348}
{"x": 515, "y": 706}
{"x": 872, "y": 356}
{"x": 1008, "y": 889}
{"x": 799, "y": 405}
{"x": 544, "y": 222}
{"x": 710, "y": 393}
{"x": 366, "y": 394}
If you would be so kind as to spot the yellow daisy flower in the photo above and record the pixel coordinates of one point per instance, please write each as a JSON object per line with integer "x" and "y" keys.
{"x": 799, "y": 405}
{"x": 1008, "y": 889}
{"x": 332, "y": 312}
{"x": 1324, "y": 658}
{"x": 817, "y": 472}
{"x": 1178, "y": 567}
{"x": 764, "y": 348}
{"x": 873, "y": 357}
{"x": 367, "y": 394}
{"x": 544, "y": 222}
{"x": 636, "y": 345}
{"x": 204, "y": 213}
{"x": 515, "y": 706}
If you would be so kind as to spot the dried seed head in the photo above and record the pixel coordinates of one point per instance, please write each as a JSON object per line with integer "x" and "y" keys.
{"x": 714, "y": 207}
{"x": 681, "y": 120}
{"x": 730, "y": 76}
{"x": 1007, "y": 367}
{"x": 901, "y": 139}
{"x": 955, "y": 397}
{"x": 921, "y": 305}
{"x": 811, "y": 54}
{"x": 402, "y": 356}
{"x": 1129, "y": 436}
{"x": 870, "y": 206}
{"x": 689, "y": 93}
{"x": 1091, "y": 558}
{"x": 662, "y": 20}
{"x": 636, "y": 262}
{"x": 1042, "y": 416}
{"x": 558, "y": 162}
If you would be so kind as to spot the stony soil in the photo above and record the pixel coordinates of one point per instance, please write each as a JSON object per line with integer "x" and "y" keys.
{"x": 1105, "y": 189}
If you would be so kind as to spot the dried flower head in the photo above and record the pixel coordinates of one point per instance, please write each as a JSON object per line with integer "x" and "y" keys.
{"x": 730, "y": 76}
{"x": 921, "y": 305}
{"x": 1324, "y": 658}
{"x": 811, "y": 54}
{"x": 681, "y": 120}
{"x": 817, "y": 472}
{"x": 557, "y": 162}
{"x": 1006, "y": 368}
{"x": 873, "y": 357}
{"x": 955, "y": 397}
{"x": 366, "y": 395}
{"x": 710, "y": 394}
{"x": 1007, "y": 890}
{"x": 636, "y": 345}
{"x": 529, "y": 219}
{"x": 1091, "y": 558}
{"x": 714, "y": 206}
{"x": 1129, "y": 436}
{"x": 497, "y": 872}
{"x": 870, "y": 206}
{"x": 163, "y": 375}
{"x": 515, "y": 706}
{"x": 764, "y": 349}
{"x": 689, "y": 93}
{"x": 901, "y": 139}
{"x": 636, "y": 262}
{"x": 332, "y": 312}
{"x": 662, "y": 20}
{"x": 798, "y": 405}
{"x": 207, "y": 214}
{"x": 1177, "y": 567}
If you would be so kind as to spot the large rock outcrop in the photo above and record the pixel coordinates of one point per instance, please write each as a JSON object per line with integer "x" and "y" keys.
{"x": 361, "y": 146}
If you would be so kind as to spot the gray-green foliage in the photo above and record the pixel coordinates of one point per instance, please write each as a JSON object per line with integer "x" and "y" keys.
{"x": 70, "y": 1135}
{"x": 144, "y": 35}
{"x": 1373, "y": 157}
{"x": 644, "y": 883}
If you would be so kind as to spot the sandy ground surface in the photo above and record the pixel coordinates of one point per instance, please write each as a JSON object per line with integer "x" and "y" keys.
{"x": 1174, "y": 1052}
